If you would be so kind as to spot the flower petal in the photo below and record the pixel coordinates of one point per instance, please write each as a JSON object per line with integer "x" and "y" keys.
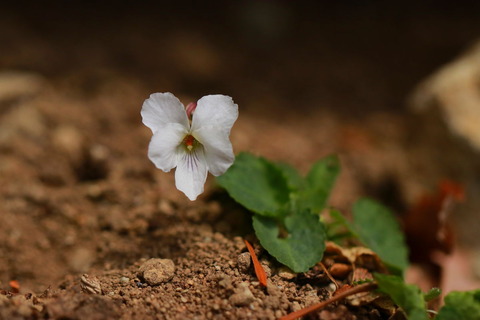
{"x": 215, "y": 110}
{"x": 191, "y": 173}
{"x": 218, "y": 149}
{"x": 164, "y": 148}
{"x": 163, "y": 108}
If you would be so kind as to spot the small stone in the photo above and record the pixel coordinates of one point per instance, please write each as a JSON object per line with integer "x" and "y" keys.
{"x": 273, "y": 290}
{"x": 244, "y": 261}
{"x": 286, "y": 273}
{"x": 226, "y": 282}
{"x": 266, "y": 268}
{"x": 242, "y": 295}
{"x": 156, "y": 271}
{"x": 90, "y": 284}
{"x": 124, "y": 279}
{"x": 340, "y": 312}
{"x": 295, "y": 306}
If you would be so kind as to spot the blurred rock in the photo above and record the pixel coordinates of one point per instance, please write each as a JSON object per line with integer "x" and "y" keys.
{"x": 69, "y": 140}
{"x": 242, "y": 296}
{"x": 449, "y": 102}
{"x": 225, "y": 282}
{"x": 16, "y": 85}
{"x": 23, "y": 120}
{"x": 286, "y": 273}
{"x": 81, "y": 259}
{"x": 455, "y": 91}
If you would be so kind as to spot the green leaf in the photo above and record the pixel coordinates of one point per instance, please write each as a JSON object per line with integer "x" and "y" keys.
{"x": 339, "y": 222}
{"x": 304, "y": 245}
{"x": 378, "y": 229}
{"x": 294, "y": 180}
{"x": 432, "y": 294}
{"x": 407, "y": 296}
{"x": 461, "y": 305}
{"x": 319, "y": 183}
{"x": 256, "y": 184}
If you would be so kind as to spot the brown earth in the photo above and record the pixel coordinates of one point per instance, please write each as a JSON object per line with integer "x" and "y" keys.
{"x": 78, "y": 194}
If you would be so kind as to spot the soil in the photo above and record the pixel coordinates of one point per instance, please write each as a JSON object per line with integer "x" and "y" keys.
{"x": 82, "y": 208}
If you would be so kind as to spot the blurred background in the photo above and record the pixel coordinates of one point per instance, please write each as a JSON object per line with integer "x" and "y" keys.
{"x": 310, "y": 77}
{"x": 350, "y": 56}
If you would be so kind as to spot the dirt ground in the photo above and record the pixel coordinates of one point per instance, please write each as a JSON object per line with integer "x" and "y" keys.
{"x": 78, "y": 195}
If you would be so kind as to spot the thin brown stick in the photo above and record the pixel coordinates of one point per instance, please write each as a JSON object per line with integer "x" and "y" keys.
{"x": 329, "y": 275}
{"x": 300, "y": 313}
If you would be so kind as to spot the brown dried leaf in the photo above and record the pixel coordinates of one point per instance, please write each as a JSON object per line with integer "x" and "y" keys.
{"x": 426, "y": 224}
{"x": 361, "y": 274}
{"x": 429, "y": 233}
{"x": 363, "y": 298}
{"x": 357, "y": 256}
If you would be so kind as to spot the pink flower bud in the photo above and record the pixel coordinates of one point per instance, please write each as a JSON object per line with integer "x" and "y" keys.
{"x": 190, "y": 109}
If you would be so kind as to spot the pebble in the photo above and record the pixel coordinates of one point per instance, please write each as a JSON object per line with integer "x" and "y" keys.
{"x": 226, "y": 282}
{"x": 239, "y": 243}
{"x": 244, "y": 261}
{"x": 157, "y": 271}
{"x": 273, "y": 290}
{"x": 90, "y": 284}
{"x": 295, "y": 306}
{"x": 266, "y": 268}
{"x": 242, "y": 295}
{"x": 286, "y": 273}
{"x": 124, "y": 279}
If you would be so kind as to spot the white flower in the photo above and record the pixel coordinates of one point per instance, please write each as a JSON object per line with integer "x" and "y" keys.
{"x": 194, "y": 147}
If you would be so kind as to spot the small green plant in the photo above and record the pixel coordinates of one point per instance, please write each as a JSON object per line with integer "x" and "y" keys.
{"x": 287, "y": 209}
{"x": 286, "y": 205}
{"x": 287, "y": 221}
